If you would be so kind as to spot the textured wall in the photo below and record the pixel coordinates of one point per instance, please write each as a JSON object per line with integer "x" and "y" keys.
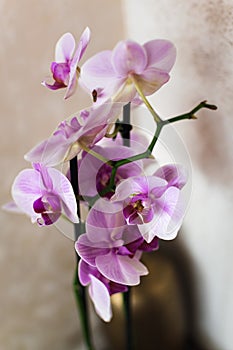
{"x": 202, "y": 32}
{"x": 36, "y": 265}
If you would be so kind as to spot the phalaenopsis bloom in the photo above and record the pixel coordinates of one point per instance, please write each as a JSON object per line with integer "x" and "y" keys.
{"x": 153, "y": 203}
{"x": 92, "y": 170}
{"x": 118, "y": 73}
{"x": 44, "y": 194}
{"x": 65, "y": 68}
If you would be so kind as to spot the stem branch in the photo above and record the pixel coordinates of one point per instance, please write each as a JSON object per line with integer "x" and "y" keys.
{"x": 126, "y": 295}
{"x": 156, "y": 117}
{"x": 79, "y": 290}
{"x": 160, "y": 124}
{"x": 191, "y": 114}
{"x": 81, "y": 301}
{"x": 128, "y": 318}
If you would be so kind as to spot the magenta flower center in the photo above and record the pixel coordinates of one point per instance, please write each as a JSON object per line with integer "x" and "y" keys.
{"x": 139, "y": 210}
{"x": 61, "y": 72}
{"x": 138, "y": 206}
{"x": 50, "y": 209}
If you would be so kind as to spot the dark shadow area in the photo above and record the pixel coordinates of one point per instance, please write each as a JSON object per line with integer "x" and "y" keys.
{"x": 163, "y": 305}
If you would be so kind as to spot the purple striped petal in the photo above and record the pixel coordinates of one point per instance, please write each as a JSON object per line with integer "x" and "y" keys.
{"x": 89, "y": 250}
{"x": 161, "y": 54}
{"x": 64, "y": 191}
{"x": 84, "y": 271}
{"x": 167, "y": 219}
{"x": 27, "y": 187}
{"x": 65, "y": 48}
{"x": 49, "y": 152}
{"x": 101, "y": 298}
{"x": 84, "y": 41}
{"x": 121, "y": 269}
{"x": 130, "y": 186}
{"x": 175, "y": 174}
{"x": 107, "y": 219}
{"x": 129, "y": 57}
{"x": 98, "y": 291}
{"x": 45, "y": 177}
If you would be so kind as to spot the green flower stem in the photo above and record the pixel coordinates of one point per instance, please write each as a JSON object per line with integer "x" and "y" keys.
{"x": 126, "y": 295}
{"x": 156, "y": 117}
{"x": 81, "y": 301}
{"x": 160, "y": 124}
{"x": 148, "y": 153}
{"x": 128, "y": 318}
{"x": 79, "y": 290}
{"x": 126, "y": 122}
{"x": 93, "y": 153}
{"x": 191, "y": 114}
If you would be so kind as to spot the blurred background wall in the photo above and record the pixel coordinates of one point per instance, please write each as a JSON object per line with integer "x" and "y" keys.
{"x": 202, "y": 32}
{"x": 36, "y": 265}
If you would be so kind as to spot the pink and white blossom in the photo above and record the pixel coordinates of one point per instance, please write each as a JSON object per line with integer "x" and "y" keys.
{"x": 153, "y": 203}
{"x": 44, "y": 194}
{"x": 113, "y": 74}
{"x": 65, "y": 67}
{"x": 104, "y": 245}
{"x": 85, "y": 129}
{"x": 100, "y": 289}
{"x": 175, "y": 175}
{"x": 110, "y": 252}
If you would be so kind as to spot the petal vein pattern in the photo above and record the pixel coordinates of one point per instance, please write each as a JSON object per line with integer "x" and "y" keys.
{"x": 113, "y": 73}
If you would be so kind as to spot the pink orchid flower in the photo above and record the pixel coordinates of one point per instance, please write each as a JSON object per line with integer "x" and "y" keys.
{"x": 100, "y": 289}
{"x": 153, "y": 203}
{"x": 44, "y": 194}
{"x": 104, "y": 244}
{"x": 113, "y": 74}
{"x": 86, "y": 129}
{"x": 65, "y": 68}
{"x": 110, "y": 251}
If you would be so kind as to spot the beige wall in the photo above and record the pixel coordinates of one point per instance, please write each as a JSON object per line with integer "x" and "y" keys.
{"x": 36, "y": 265}
{"x": 202, "y": 32}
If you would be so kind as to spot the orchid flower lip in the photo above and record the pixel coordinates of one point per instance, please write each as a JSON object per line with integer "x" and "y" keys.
{"x": 153, "y": 203}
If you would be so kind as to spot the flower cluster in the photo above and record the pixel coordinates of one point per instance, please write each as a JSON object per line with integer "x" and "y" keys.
{"x": 142, "y": 210}
{"x": 128, "y": 211}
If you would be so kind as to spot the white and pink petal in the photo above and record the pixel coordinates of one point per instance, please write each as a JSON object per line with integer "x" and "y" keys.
{"x": 101, "y": 298}
{"x": 120, "y": 268}
{"x": 64, "y": 48}
{"x": 63, "y": 189}
{"x": 128, "y": 57}
{"x": 89, "y": 250}
{"x": 161, "y": 54}
{"x": 175, "y": 174}
{"x": 27, "y": 187}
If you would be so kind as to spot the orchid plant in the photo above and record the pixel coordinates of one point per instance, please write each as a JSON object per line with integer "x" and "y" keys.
{"x": 127, "y": 211}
